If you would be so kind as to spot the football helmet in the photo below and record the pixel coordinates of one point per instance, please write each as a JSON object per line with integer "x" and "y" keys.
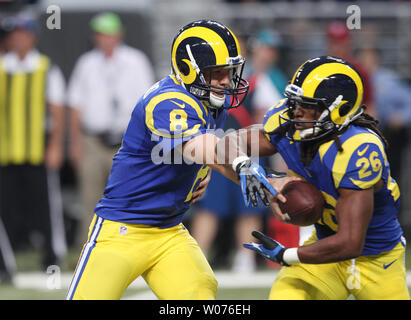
{"x": 329, "y": 85}
{"x": 200, "y": 47}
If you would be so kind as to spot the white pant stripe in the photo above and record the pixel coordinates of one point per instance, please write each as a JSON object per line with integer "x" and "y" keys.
{"x": 84, "y": 257}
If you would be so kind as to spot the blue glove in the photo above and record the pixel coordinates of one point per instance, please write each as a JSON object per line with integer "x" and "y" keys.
{"x": 253, "y": 180}
{"x": 268, "y": 248}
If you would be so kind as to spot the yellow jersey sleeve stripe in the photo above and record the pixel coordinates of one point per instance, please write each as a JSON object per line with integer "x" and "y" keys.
{"x": 173, "y": 77}
{"x": 173, "y": 95}
{"x": 322, "y": 150}
{"x": 292, "y": 173}
{"x": 392, "y": 185}
{"x": 201, "y": 174}
{"x": 349, "y": 146}
{"x": 366, "y": 184}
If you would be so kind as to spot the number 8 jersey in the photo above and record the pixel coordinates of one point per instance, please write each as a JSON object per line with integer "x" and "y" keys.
{"x": 150, "y": 183}
{"x": 361, "y": 164}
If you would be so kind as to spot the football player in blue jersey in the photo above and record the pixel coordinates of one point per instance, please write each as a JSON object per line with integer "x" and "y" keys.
{"x": 161, "y": 168}
{"x": 325, "y": 138}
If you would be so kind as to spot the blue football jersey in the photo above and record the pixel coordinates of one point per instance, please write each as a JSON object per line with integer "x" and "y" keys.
{"x": 150, "y": 183}
{"x": 361, "y": 164}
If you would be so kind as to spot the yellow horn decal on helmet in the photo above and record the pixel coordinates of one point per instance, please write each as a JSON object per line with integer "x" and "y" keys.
{"x": 335, "y": 114}
{"x": 236, "y": 42}
{"x": 298, "y": 70}
{"x": 316, "y": 76}
{"x": 212, "y": 38}
{"x": 191, "y": 76}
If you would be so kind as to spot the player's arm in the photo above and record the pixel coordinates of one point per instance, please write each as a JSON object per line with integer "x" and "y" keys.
{"x": 356, "y": 185}
{"x": 250, "y": 142}
{"x": 363, "y": 161}
{"x": 54, "y": 152}
{"x": 76, "y": 137}
{"x": 354, "y": 211}
{"x": 202, "y": 149}
{"x": 55, "y": 94}
{"x": 229, "y": 157}
{"x": 253, "y": 142}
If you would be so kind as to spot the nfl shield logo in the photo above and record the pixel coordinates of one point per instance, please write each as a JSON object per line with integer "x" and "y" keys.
{"x": 123, "y": 230}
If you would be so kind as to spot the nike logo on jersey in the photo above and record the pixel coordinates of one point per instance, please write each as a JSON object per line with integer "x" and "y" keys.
{"x": 385, "y": 266}
{"x": 181, "y": 105}
{"x": 361, "y": 153}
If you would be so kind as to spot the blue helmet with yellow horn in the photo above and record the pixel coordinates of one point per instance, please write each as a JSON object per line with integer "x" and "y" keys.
{"x": 200, "y": 47}
{"x": 330, "y": 85}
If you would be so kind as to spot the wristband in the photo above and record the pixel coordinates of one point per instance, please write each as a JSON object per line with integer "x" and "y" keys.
{"x": 238, "y": 160}
{"x": 290, "y": 256}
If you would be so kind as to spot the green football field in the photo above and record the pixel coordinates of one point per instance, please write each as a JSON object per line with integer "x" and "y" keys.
{"x": 32, "y": 284}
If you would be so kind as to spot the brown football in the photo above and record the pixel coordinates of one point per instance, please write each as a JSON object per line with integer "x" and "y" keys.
{"x": 304, "y": 204}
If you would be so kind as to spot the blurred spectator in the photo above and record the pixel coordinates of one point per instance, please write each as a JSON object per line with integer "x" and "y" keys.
{"x": 7, "y": 259}
{"x": 31, "y": 135}
{"x": 266, "y": 81}
{"x": 266, "y": 48}
{"x": 340, "y": 45}
{"x": 104, "y": 87}
{"x": 223, "y": 198}
{"x": 393, "y": 103}
{"x": 3, "y": 33}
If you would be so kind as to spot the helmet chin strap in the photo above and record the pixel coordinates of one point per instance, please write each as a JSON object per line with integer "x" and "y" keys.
{"x": 216, "y": 101}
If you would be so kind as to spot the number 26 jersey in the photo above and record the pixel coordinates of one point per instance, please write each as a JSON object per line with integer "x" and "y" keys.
{"x": 361, "y": 164}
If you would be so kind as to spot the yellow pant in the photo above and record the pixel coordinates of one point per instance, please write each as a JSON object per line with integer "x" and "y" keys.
{"x": 170, "y": 261}
{"x": 375, "y": 277}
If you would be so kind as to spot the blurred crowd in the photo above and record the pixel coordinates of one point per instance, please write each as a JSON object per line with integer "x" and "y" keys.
{"x": 40, "y": 110}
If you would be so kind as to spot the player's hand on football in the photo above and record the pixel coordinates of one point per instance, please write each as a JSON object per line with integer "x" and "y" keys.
{"x": 268, "y": 248}
{"x": 253, "y": 181}
{"x": 201, "y": 188}
{"x": 278, "y": 184}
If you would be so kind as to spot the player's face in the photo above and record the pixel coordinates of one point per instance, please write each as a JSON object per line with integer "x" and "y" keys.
{"x": 106, "y": 42}
{"x": 219, "y": 77}
{"x": 305, "y": 114}
{"x": 20, "y": 40}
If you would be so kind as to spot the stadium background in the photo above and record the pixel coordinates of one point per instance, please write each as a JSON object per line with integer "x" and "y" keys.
{"x": 150, "y": 26}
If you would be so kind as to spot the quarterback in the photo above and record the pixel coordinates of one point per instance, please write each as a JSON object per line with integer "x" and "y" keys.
{"x": 137, "y": 228}
{"x": 325, "y": 138}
